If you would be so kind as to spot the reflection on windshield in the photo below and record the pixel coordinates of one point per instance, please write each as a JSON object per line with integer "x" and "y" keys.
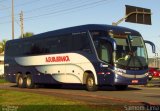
{"x": 130, "y": 52}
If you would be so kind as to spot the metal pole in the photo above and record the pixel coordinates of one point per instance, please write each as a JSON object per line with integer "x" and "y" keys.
{"x": 12, "y": 19}
{"x": 126, "y": 16}
{"x": 21, "y": 20}
{"x": 155, "y": 60}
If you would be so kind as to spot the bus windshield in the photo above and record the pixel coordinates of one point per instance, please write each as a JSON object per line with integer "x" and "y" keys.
{"x": 131, "y": 52}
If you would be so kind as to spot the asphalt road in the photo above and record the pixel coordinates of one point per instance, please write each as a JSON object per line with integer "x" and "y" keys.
{"x": 155, "y": 82}
{"x": 105, "y": 95}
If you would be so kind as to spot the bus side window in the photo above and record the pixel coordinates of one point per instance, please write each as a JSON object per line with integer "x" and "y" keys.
{"x": 26, "y": 46}
{"x": 104, "y": 50}
{"x": 65, "y": 43}
{"x": 52, "y": 45}
{"x": 13, "y": 49}
{"x": 81, "y": 42}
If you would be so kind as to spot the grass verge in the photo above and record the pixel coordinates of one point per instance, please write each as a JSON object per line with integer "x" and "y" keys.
{"x": 24, "y": 101}
{"x": 2, "y": 80}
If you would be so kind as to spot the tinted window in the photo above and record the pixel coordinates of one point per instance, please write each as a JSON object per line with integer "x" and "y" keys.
{"x": 14, "y": 49}
{"x": 81, "y": 42}
{"x": 104, "y": 50}
{"x": 52, "y": 45}
{"x": 65, "y": 43}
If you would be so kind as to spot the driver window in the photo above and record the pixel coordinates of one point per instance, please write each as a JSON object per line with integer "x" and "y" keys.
{"x": 104, "y": 51}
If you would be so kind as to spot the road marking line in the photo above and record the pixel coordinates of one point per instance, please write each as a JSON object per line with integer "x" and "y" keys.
{"x": 143, "y": 87}
{"x": 147, "y": 93}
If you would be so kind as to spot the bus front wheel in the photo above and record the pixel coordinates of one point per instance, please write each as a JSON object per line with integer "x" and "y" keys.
{"x": 29, "y": 82}
{"x": 90, "y": 83}
{"x": 21, "y": 81}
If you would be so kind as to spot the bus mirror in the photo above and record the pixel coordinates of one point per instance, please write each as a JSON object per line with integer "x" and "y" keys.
{"x": 152, "y": 44}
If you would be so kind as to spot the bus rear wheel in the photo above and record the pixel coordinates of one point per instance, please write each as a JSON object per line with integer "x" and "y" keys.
{"x": 21, "y": 81}
{"x": 29, "y": 82}
{"x": 90, "y": 83}
{"x": 121, "y": 87}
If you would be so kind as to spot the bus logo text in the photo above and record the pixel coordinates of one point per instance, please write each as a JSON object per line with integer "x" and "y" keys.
{"x": 58, "y": 59}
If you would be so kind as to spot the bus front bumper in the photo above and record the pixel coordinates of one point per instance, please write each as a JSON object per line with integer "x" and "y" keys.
{"x": 130, "y": 80}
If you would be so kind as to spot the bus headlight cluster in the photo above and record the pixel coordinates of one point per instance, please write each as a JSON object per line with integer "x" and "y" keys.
{"x": 118, "y": 72}
{"x": 146, "y": 74}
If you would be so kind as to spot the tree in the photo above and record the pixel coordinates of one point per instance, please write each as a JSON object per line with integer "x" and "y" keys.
{"x": 2, "y": 45}
{"x": 27, "y": 34}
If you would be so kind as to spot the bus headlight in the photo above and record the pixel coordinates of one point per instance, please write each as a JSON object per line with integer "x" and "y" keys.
{"x": 146, "y": 74}
{"x": 118, "y": 72}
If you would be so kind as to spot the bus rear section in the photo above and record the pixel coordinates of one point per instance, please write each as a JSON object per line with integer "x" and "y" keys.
{"x": 56, "y": 59}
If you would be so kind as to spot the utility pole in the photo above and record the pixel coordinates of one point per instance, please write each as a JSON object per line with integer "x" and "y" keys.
{"x": 12, "y": 19}
{"x": 156, "y": 59}
{"x": 21, "y": 20}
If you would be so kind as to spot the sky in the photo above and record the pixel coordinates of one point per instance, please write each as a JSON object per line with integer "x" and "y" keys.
{"x": 47, "y": 15}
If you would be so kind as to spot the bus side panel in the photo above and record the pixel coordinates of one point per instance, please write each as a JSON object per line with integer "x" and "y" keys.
{"x": 52, "y": 68}
{"x": 105, "y": 76}
{"x": 12, "y": 68}
{"x": 39, "y": 78}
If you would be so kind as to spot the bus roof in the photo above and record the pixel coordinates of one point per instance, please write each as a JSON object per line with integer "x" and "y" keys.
{"x": 82, "y": 28}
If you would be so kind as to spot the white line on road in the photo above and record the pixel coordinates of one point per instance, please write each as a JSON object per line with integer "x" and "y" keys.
{"x": 147, "y": 93}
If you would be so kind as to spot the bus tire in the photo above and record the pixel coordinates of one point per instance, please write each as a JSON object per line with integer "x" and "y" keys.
{"x": 121, "y": 87}
{"x": 21, "y": 81}
{"x": 29, "y": 82}
{"x": 17, "y": 76}
{"x": 90, "y": 83}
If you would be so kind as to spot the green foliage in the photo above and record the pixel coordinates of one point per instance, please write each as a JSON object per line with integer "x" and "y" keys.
{"x": 8, "y": 97}
{"x": 27, "y": 34}
{"x": 25, "y": 101}
{"x": 2, "y": 45}
{"x": 2, "y": 80}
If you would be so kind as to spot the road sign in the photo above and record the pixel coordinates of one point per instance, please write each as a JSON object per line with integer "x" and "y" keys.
{"x": 138, "y": 15}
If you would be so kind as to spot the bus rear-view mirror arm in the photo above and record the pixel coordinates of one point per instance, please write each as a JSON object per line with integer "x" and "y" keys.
{"x": 152, "y": 44}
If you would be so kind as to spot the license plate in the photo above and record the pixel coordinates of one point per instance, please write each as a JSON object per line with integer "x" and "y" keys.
{"x": 134, "y": 81}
